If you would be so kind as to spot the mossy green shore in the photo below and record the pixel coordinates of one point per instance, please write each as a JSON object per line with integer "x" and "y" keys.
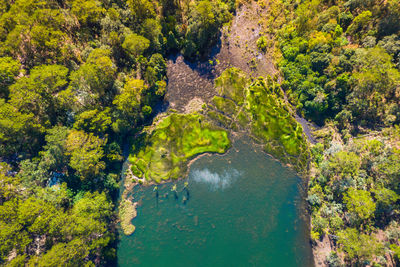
{"x": 174, "y": 140}
{"x": 256, "y": 107}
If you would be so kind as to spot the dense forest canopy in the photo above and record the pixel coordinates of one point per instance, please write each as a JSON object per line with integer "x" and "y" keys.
{"x": 341, "y": 61}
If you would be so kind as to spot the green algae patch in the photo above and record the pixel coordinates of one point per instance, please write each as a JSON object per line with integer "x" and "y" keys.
{"x": 258, "y": 107}
{"x": 165, "y": 151}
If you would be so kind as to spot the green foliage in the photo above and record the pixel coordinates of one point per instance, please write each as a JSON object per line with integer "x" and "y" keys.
{"x": 142, "y": 9}
{"x": 129, "y": 101}
{"x": 205, "y": 18}
{"x": 18, "y": 131}
{"x": 262, "y": 43}
{"x": 272, "y": 121}
{"x": 40, "y": 23}
{"x": 339, "y": 73}
{"x": 344, "y": 164}
{"x": 152, "y": 32}
{"x": 92, "y": 82}
{"x": 231, "y": 83}
{"x": 353, "y": 189}
{"x": 360, "y": 24}
{"x": 94, "y": 121}
{"x": 9, "y": 69}
{"x": 88, "y": 12}
{"x": 378, "y": 81}
{"x": 396, "y": 249}
{"x": 85, "y": 152}
{"x": 66, "y": 254}
{"x": 135, "y": 45}
{"x": 54, "y": 150}
{"x": 29, "y": 223}
{"x": 385, "y": 197}
{"x": 359, "y": 247}
{"x": 359, "y": 203}
{"x": 42, "y": 93}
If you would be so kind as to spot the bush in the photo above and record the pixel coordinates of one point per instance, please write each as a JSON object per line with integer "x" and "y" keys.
{"x": 262, "y": 43}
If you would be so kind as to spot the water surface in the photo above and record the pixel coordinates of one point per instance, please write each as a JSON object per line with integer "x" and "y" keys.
{"x": 240, "y": 209}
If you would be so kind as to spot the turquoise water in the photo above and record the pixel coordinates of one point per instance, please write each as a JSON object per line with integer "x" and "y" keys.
{"x": 240, "y": 209}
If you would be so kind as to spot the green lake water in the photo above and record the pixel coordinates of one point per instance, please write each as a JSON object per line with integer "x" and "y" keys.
{"x": 242, "y": 209}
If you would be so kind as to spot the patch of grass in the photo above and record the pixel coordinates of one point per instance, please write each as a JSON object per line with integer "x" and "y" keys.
{"x": 176, "y": 139}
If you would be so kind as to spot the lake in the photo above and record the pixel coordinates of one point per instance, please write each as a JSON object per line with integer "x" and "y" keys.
{"x": 239, "y": 209}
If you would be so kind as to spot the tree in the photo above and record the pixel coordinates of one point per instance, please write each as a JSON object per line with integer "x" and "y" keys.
{"x": 88, "y": 12}
{"x": 343, "y": 164}
{"x": 9, "y": 69}
{"x": 94, "y": 121}
{"x": 151, "y": 30}
{"x": 202, "y": 27}
{"x": 53, "y": 156}
{"x": 359, "y": 203}
{"x": 40, "y": 22}
{"x": 89, "y": 221}
{"x": 358, "y": 246}
{"x": 19, "y": 132}
{"x": 93, "y": 81}
{"x": 129, "y": 101}
{"x": 42, "y": 93}
{"x": 156, "y": 70}
{"x": 360, "y": 24}
{"x": 134, "y": 45}
{"x": 71, "y": 254}
{"x": 385, "y": 201}
{"x": 32, "y": 173}
{"x": 72, "y": 235}
{"x": 9, "y": 186}
{"x": 85, "y": 152}
{"x": 390, "y": 22}
{"x": 141, "y": 9}
{"x": 377, "y": 83}
{"x": 204, "y": 20}
{"x": 4, "y": 6}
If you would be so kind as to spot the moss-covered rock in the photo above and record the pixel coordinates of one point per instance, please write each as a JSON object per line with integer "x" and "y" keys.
{"x": 165, "y": 151}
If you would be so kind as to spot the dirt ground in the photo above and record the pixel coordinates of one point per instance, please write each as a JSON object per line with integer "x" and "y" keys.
{"x": 237, "y": 48}
{"x": 239, "y": 44}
